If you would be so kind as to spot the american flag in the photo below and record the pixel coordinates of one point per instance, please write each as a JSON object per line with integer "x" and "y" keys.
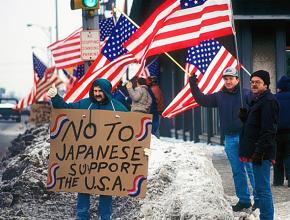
{"x": 152, "y": 69}
{"x": 44, "y": 77}
{"x": 75, "y": 76}
{"x": 67, "y": 52}
{"x": 111, "y": 63}
{"x": 207, "y": 61}
{"x": 178, "y": 24}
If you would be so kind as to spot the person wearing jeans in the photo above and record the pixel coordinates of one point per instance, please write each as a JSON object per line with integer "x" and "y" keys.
{"x": 228, "y": 102}
{"x": 240, "y": 170}
{"x": 100, "y": 97}
{"x": 263, "y": 187}
{"x": 258, "y": 137}
{"x": 83, "y": 206}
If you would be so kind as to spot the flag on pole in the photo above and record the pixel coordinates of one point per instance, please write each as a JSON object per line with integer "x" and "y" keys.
{"x": 67, "y": 52}
{"x": 178, "y": 24}
{"x": 74, "y": 77}
{"x": 110, "y": 64}
{"x": 43, "y": 77}
{"x": 207, "y": 61}
{"x": 151, "y": 70}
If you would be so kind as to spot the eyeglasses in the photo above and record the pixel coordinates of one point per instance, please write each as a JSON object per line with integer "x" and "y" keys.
{"x": 252, "y": 82}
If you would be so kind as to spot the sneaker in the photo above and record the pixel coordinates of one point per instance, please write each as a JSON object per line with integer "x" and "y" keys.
{"x": 240, "y": 206}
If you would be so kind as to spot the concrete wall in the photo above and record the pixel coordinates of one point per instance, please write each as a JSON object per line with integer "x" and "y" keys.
{"x": 264, "y": 52}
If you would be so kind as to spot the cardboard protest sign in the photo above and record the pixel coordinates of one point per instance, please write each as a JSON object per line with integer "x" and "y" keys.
{"x": 99, "y": 152}
{"x": 40, "y": 113}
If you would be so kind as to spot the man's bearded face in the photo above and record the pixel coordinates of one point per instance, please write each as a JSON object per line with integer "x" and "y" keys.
{"x": 99, "y": 95}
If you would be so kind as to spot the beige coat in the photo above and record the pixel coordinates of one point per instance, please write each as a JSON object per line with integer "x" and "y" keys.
{"x": 141, "y": 99}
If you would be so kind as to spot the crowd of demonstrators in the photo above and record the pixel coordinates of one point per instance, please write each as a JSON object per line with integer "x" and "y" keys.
{"x": 100, "y": 97}
{"x": 258, "y": 138}
{"x": 249, "y": 131}
{"x": 282, "y": 165}
{"x": 141, "y": 99}
{"x": 228, "y": 102}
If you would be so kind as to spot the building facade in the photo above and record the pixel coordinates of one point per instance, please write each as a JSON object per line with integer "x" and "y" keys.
{"x": 263, "y": 38}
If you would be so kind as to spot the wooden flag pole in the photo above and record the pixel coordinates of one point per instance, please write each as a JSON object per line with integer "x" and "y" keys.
{"x": 167, "y": 54}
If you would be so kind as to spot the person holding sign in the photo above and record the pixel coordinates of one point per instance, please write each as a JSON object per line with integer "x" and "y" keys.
{"x": 100, "y": 97}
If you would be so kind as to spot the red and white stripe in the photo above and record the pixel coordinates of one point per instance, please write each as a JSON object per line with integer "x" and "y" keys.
{"x": 171, "y": 28}
{"x": 40, "y": 88}
{"x": 67, "y": 52}
{"x": 101, "y": 68}
{"x": 208, "y": 83}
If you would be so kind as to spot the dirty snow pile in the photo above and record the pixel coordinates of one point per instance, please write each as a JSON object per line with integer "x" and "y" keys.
{"x": 182, "y": 184}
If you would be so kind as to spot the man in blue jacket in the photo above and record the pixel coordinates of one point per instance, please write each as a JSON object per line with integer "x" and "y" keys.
{"x": 228, "y": 102}
{"x": 100, "y": 97}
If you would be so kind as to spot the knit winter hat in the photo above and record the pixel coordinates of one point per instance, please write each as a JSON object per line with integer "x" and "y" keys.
{"x": 264, "y": 75}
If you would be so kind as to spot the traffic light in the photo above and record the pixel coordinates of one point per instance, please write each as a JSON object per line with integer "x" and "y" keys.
{"x": 84, "y": 4}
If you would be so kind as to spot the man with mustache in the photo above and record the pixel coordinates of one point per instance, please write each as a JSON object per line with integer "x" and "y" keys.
{"x": 228, "y": 102}
{"x": 258, "y": 138}
{"x": 100, "y": 97}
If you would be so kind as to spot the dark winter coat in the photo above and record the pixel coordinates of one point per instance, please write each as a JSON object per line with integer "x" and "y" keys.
{"x": 283, "y": 97}
{"x": 91, "y": 103}
{"x": 228, "y": 103}
{"x": 260, "y": 128}
{"x": 122, "y": 95}
{"x": 283, "y": 134}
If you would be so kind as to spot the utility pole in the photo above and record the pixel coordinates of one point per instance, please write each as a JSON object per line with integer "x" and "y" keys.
{"x": 90, "y": 36}
{"x": 56, "y": 21}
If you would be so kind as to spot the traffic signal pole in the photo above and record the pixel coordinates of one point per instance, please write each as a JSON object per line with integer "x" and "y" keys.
{"x": 90, "y": 22}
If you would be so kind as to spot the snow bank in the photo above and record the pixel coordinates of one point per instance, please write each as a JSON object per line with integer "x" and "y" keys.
{"x": 183, "y": 184}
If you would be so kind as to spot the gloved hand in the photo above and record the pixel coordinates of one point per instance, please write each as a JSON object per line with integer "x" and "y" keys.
{"x": 193, "y": 80}
{"x": 147, "y": 152}
{"x": 129, "y": 85}
{"x": 257, "y": 158}
{"x": 52, "y": 91}
{"x": 243, "y": 114}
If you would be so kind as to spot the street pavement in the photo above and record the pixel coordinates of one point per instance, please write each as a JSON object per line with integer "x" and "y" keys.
{"x": 220, "y": 162}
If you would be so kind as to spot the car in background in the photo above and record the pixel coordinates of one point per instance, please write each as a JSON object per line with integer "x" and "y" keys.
{"x": 8, "y": 111}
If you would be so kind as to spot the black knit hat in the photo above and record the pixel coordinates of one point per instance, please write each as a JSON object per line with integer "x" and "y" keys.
{"x": 264, "y": 75}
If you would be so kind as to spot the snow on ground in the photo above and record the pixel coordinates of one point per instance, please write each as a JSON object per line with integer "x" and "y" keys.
{"x": 183, "y": 184}
{"x": 196, "y": 183}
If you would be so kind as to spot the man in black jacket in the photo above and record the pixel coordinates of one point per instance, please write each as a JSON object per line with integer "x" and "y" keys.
{"x": 228, "y": 102}
{"x": 258, "y": 139}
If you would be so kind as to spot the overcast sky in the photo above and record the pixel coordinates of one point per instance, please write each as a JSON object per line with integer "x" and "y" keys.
{"x": 17, "y": 39}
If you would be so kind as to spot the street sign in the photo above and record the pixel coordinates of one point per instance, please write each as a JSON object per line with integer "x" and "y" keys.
{"x": 90, "y": 44}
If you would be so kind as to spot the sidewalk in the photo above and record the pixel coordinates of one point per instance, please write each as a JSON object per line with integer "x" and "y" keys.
{"x": 280, "y": 194}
